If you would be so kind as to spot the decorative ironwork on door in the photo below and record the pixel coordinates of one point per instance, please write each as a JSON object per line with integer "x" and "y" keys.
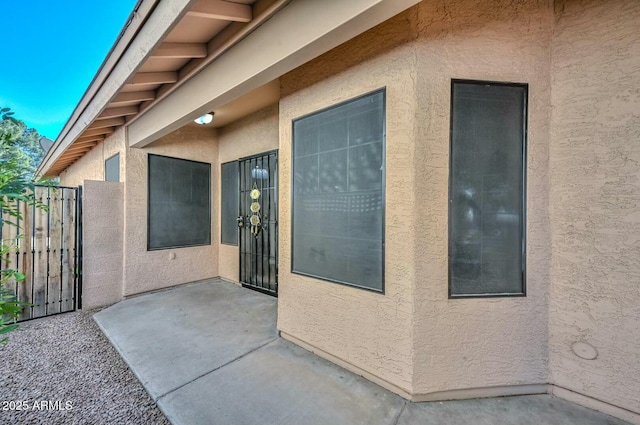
{"x": 258, "y": 222}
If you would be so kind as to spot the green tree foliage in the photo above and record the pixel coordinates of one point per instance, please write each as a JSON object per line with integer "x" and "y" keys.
{"x": 25, "y": 150}
{"x": 19, "y": 157}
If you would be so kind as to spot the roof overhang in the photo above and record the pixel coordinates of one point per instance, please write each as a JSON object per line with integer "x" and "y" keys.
{"x": 176, "y": 60}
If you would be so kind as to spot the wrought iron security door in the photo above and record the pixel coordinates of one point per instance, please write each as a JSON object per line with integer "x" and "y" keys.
{"x": 258, "y": 222}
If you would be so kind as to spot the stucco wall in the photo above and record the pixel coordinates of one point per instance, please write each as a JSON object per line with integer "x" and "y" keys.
{"x": 370, "y": 331}
{"x": 91, "y": 166}
{"x": 251, "y": 135}
{"x": 583, "y": 187}
{"x": 494, "y": 342}
{"x": 102, "y": 232}
{"x": 595, "y": 199}
{"x": 414, "y": 336}
{"x": 149, "y": 270}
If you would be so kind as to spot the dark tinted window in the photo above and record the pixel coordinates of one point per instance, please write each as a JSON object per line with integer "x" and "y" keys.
{"x": 338, "y": 193}
{"x": 179, "y": 203}
{"x": 229, "y": 199}
{"x": 112, "y": 169}
{"x": 487, "y": 189}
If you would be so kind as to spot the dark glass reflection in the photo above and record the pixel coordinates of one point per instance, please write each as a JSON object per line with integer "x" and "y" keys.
{"x": 338, "y": 202}
{"x": 487, "y": 189}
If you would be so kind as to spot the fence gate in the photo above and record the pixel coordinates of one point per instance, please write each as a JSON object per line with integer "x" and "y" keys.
{"x": 47, "y": 250}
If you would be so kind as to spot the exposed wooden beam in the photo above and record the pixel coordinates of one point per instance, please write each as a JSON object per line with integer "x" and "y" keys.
{"x": 122, "y": 111}
{"x": 160, "y": 93}
{"x": 112, "y": 122}
{"x": 222, "y": 10}
{"x": 180, "y": 50}
{"x": 71, "y": 155}
{"x": 227, "y": 38}
{"x": 134, "y": 96}
{"x": 143, "y": 78}
{"x": 64, "y": 159}
{"x": 65, "y": 162}
{"x": 98, "y": 131}
{"x": 80, "y": 151}
{"x": 84, "y": 144}
{"x": 70, "y": 159}
{"x": 89, "y": 139}
{"x": 64, "y": 166}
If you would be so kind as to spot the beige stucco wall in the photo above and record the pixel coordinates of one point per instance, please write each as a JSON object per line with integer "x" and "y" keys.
{"x": 102, "y": 233}
{"x": 149, "y": 270}
{"x": 413, "y": 336}
{"x": 103, "y": 222}
{"x": 595, "y": 199}
{"x": 581, "y": 60}
{"x": 251, "y": 135}
{"x": 492, "y": 342}
{"x": 368, "y": 330}
{"x": 91, "y": 166}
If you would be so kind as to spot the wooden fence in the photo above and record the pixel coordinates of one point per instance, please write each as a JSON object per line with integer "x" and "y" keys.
{"x": 46, "y": 248}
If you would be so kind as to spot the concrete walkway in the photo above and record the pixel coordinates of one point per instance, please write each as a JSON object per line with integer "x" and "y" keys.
{"x": 209, "y": 353}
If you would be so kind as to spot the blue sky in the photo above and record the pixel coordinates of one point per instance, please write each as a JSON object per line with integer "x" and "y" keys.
{"x": 50, "y": 53}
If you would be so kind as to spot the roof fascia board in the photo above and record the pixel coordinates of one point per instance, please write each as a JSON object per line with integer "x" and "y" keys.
{"x": 153, "y": 20}
{"x": 135, "y": 21}
{"x": 264, "y": 55}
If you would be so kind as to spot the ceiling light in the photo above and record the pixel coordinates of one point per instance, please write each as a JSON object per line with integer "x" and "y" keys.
{"x": 205, "y": 119}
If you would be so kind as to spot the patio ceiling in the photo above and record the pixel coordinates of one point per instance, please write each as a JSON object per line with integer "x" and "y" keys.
{"x": 203, "y": 32}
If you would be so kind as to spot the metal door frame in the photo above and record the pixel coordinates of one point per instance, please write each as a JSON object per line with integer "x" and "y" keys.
{"x": 272, "y": 182}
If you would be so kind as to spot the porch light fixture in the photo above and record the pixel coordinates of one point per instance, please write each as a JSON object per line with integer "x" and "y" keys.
{"x": 205, "y": 119}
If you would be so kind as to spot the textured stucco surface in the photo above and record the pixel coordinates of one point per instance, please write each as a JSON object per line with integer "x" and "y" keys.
{"x": 102, "y": 232}
{"x": 414, "y": 336}
{"x": 581, "y": 59}
{"x": 595, "y": 199}
{"x": 91, "y": 166}
{"x": 149, "y": 270}
{"x": 476, "y": 343}
{"x": 369, "y": 330}
{"x": 251, "y": 135}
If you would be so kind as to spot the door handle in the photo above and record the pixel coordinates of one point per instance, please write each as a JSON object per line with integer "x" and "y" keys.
{"x": 240, "y": 221}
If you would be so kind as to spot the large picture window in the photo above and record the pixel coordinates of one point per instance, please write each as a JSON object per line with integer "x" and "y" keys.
{"x": 487, "y": 189}
{"x": 179, "y": 209}
{"x": 230, "y": 198}
{"x": 338, "y": 193}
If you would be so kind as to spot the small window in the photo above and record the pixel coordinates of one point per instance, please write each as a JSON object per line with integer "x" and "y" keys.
{"x": 230, "y": 199}
{"x": 338, "y": 193}
{"x": 179, "y": 203}
{"x": 487, "y": 189}
{"x": 112, "y": 169}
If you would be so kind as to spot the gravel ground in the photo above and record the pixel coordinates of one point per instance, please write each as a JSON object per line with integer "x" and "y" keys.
{"x": 67, "y": 359}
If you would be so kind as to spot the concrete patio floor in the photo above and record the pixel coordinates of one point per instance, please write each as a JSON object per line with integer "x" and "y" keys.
{"x": 209, "y": 353}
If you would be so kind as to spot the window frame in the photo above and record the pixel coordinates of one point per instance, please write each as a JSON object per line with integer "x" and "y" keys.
{"x": 383, "y": 91}
{"x": 523, "y": 222}
{"x": 237, "y": 162}
{"x": 105, "y": 167}
{"x": 149, "y": 248}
